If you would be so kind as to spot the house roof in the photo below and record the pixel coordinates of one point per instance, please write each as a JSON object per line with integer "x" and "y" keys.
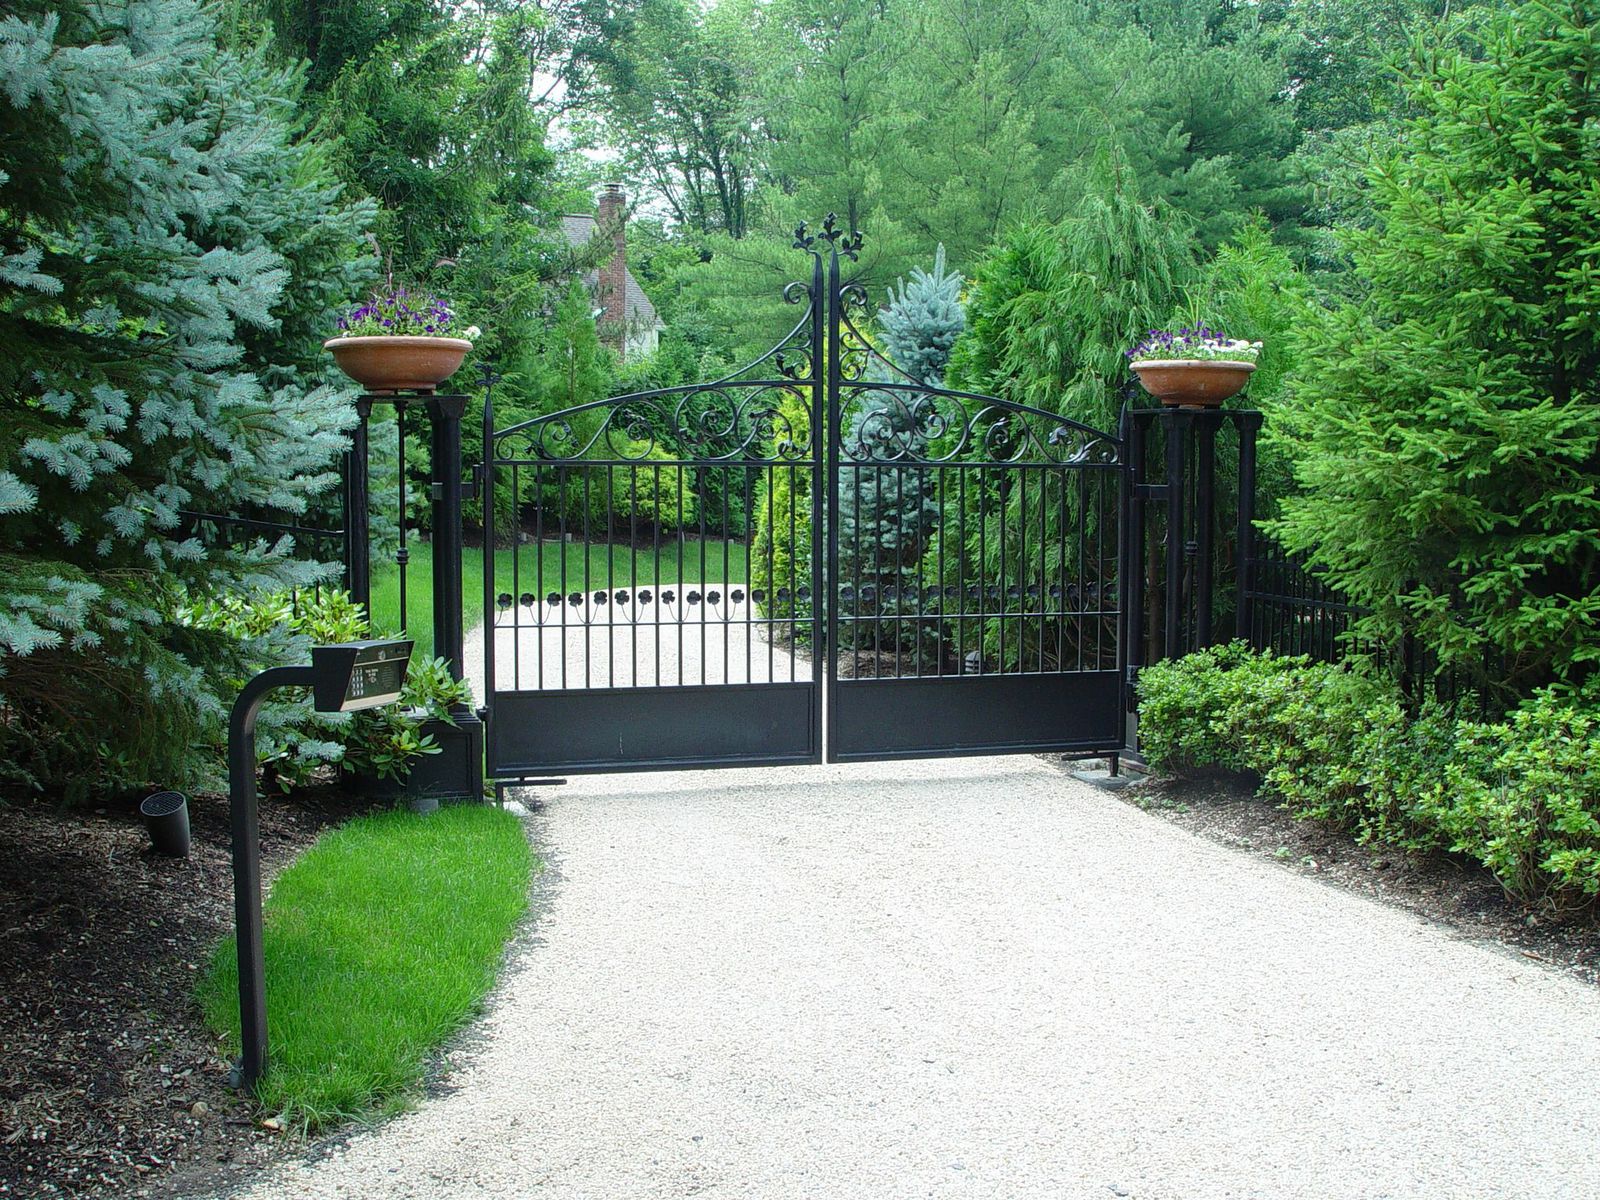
{"x": 639, "y": 312}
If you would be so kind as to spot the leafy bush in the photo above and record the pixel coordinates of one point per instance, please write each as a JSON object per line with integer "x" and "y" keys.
{"x": 293, "y": 741}
{"x": 1521, "y": 796}
{"x": 1184, "y": 706}
{"x": 780, "y": 560}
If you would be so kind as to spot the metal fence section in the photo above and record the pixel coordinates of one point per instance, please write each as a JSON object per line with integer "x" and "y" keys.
{"x": 313, "y": 543}
{"x": 1289, "y": 609}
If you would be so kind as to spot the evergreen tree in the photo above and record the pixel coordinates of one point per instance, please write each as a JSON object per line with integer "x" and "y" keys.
{"x": 1443, "y": 428}
{"x": 1054, "y": 310}
{"x": 569, "y": 368}
{"x": 169, "y": 258}
{"x": 888, "y": 514}
{"x": 923, "y": 321}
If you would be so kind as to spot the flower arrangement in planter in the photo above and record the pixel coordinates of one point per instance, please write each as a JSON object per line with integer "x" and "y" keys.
{"x": 1194, "y": 367}
{"x": 400, "y": 342}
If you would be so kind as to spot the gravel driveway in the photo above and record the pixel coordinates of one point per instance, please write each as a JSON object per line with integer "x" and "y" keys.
{"x": 976, "y": 978}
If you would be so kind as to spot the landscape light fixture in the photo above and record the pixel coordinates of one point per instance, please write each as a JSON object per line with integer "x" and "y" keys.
{"x": 346, "y": 677}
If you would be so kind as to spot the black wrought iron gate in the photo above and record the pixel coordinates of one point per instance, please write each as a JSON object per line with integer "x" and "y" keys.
{"x": 814, "y": 556}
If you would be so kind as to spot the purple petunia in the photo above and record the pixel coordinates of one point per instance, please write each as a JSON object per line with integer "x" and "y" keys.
{"x": 399, "y": 312}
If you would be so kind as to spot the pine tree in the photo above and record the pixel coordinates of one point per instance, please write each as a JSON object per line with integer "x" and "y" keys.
{"x": 887, "y": 514}
{"x": 169, "y": 256}
{"x": 1443, "y": 428}
{"x": 923, "y": 321}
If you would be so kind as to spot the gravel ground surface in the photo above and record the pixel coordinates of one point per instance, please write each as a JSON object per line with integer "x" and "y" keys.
{"x": 975, "y": 978}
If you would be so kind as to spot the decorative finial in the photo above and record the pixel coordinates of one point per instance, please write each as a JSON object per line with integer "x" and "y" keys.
{"x": 847, "y": 244}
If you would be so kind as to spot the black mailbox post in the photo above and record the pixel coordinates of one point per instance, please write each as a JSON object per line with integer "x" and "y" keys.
{"x": 342, "y": 678}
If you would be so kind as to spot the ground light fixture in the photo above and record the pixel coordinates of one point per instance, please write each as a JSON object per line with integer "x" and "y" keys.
{"x": 343, "y": 678}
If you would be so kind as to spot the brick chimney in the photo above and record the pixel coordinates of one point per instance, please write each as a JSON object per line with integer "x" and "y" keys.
{"x": 612, "y": 290}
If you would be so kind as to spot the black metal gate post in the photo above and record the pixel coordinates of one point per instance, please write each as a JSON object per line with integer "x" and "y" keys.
{"x": 1249, "y": 424}
{"x": 1178, "y": 424}
{"x": 445, "y": 412}
{"x": 461, "y": 766}
{"x": 1203, "y": 545}
{"x": 357, "y": 516}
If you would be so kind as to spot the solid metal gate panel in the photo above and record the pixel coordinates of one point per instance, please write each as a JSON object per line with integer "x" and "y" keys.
{"x": 948, "y": 584}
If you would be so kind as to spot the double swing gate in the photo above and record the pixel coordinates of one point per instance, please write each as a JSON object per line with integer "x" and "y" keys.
{"x": 814, "y": 558}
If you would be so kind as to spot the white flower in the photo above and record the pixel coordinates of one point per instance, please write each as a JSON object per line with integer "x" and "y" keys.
{"x": 473, "y": 333}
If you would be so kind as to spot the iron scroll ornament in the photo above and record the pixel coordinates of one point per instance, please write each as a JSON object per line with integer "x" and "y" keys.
{"x": 707, "y": 423}
{"x": 766, "y": 415}
{"x": 751, "y": 414}
{"x": 902, "y": 424}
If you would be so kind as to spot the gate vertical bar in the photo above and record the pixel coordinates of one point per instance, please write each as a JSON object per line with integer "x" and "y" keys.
{"x": 824, "y": 496}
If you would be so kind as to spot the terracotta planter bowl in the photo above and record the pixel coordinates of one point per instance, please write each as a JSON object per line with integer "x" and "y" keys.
{"x": 398, "y": 364}
{"x": 1189, "y": 384}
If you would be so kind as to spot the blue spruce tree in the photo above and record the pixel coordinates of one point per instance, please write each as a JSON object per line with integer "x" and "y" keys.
{"x": 888, "y": 514}
{"x": 170, "y": 256}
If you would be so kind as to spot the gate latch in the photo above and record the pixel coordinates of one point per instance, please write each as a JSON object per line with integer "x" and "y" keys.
{"x": 471, "y": 488}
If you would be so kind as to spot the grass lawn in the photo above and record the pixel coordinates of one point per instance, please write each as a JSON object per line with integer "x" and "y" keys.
{"x": 381, "y": 940}
{"x": 609, "y": 566}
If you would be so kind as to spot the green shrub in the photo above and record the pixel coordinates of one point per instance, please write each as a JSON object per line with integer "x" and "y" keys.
{"x": 1521, "y": 796}
{"x": 650, "y": 494}
{"x": 1304, "y": 729}
{"x": 781, "y": 556}
{"x": 293, "y": 741}
{"x": 1183, "y": 712}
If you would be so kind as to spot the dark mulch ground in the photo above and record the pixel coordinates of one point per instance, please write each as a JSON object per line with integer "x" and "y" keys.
{"x": 1448, "y": 889}
{"x": 110, "y": 1083}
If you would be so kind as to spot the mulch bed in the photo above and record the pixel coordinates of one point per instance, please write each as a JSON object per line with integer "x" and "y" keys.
{"x": 110, "y": 1082}
{"x": 1449, "y": 889}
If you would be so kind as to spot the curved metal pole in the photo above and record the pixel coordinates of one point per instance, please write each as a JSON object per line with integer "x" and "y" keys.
{"x": 247, "y": 867}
